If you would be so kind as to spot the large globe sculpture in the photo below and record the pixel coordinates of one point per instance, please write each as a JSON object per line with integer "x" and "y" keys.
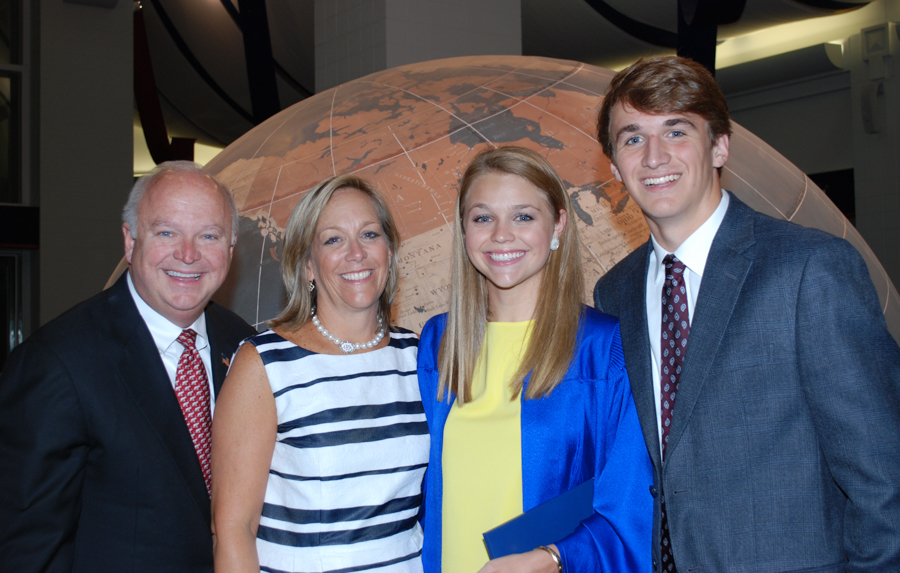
{"x": 412, "y": 130}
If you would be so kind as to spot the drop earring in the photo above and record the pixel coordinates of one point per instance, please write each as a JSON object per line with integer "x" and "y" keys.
{"x": 554, "y": 244}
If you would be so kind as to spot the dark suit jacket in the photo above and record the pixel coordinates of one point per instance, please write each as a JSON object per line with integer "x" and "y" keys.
{"x": 784, "y": 450}
{"x": 97, "y": 468}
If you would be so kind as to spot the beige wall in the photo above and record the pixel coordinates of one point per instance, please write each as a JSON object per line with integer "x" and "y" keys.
{"x": 85, "y": 110}
{"x": 354, "y": 38}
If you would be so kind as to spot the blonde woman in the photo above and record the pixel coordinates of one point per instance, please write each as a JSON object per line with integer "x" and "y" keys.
{"x": 319, "y": 438}
{"x": 524, "y": 387}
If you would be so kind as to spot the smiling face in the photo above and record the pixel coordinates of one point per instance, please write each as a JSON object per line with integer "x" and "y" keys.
{"x": 508, "y": 224}
{"x": 350, "y": 258}
{"x": 182, "y": 246}
{"x": 668, "y": 166}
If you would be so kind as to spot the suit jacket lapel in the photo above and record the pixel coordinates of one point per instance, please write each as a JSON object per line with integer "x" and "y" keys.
{"x": 141, "y": 370}
{"x": 727, "y": 265}
{"x": 219, "y": 354}
{"x": 636, "y": 342}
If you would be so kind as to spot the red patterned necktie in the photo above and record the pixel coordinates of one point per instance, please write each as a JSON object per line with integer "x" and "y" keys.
{"x": 192, "y": 390}
{"x": 676, "y": 327}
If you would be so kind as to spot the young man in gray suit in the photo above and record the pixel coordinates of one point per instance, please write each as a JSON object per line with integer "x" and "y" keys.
{"x": 105, "y": 411}
{"x": 766, "y": 382}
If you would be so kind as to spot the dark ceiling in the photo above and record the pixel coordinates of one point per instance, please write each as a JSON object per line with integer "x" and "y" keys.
{"x": 199, "y": 58}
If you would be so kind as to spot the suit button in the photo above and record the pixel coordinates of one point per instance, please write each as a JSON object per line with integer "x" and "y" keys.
{"x": 653, "y": 490}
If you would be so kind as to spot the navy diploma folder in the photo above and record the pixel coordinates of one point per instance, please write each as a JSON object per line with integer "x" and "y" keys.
{"x": 544, "y": 524}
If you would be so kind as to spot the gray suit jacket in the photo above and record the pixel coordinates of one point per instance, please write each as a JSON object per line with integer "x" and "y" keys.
{"x": 784, "y": 451}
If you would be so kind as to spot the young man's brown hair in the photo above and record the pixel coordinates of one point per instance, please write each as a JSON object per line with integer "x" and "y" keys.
{"x": 665, "y": 85}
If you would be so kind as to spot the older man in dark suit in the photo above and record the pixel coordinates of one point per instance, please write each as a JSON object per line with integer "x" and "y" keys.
{"x": 105, "y": 411}
{"x": 766, "y": 383}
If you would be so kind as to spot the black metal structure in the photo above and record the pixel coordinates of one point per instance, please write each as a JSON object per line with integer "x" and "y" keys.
{"x": 147, "y": 99}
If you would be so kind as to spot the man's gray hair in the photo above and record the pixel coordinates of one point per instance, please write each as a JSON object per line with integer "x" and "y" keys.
{"x": 130, "y": 211}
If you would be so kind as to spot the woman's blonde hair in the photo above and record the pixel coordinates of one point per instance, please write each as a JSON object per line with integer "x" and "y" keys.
{"x": 298, "y": 241}
{"x": 555, "y": 330}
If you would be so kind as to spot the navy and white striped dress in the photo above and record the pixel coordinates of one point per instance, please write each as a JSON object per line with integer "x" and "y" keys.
{"x": 345, "y": 484}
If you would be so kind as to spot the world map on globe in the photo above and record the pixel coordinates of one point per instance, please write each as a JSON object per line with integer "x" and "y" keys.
{"x": 412, "y": 130}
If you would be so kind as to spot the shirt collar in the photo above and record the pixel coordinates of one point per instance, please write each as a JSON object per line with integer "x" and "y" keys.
{"x": 164, "y": 332}
{"x": 695, "y": 249}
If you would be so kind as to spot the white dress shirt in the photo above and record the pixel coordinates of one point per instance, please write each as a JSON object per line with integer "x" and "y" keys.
{"x": 692, "y": 252}
{"x": 165, "y": 336}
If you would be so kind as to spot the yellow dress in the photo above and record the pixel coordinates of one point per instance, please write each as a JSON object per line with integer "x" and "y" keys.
{"x": 482, "y": 455}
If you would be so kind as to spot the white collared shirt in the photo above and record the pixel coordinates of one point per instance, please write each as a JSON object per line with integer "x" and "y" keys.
{"x": 692, "y": 252}
{"x": 165, "y": 337}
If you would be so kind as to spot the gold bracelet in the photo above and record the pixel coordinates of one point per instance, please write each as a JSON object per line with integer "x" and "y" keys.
{"x": 555, "y": 556}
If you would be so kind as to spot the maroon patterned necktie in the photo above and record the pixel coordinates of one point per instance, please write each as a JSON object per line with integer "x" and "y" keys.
{"x": 192, "y": 390}
{"x": 676, "y": 327}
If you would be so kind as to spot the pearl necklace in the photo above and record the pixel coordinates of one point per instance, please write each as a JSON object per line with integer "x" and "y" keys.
{"x": 346, "y": 345}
